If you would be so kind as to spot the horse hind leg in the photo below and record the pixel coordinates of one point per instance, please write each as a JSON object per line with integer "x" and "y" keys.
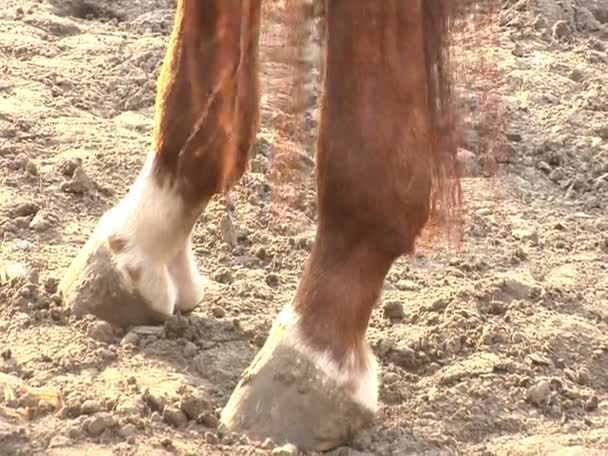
{"x": 315, "y": 380}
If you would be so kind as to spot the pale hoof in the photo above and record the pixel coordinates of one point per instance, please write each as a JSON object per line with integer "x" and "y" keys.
{"x": 94, "y": 285}
{"x": 284, "y": 396}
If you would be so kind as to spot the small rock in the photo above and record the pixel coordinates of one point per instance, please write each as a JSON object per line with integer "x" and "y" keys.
{"x": 261, "y": 253}
{"x": 285, "y": 450}
{"x": 211, "y": 438}
{"x": 174, "y": 417}
{"x": 393, "y": 310}
{"x": 518, "y": 50}
{"x": 592, "y": 403}
{"x": 90, "y": 407}
{"x": 538, "y": 393}
{"x": 194, "y": 406}
{"x": 439, "y": 304}
{"x": 101, "y": 331}
{"x": 272, "y": 280}
{"x": 218, "y": 312}
{"x": 577, "y": 74}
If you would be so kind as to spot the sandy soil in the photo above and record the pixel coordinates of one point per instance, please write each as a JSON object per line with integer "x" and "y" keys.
{"x": 499, "y": 349}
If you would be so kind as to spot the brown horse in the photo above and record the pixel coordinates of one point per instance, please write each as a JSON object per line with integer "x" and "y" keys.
{"x": 385, "y": 163}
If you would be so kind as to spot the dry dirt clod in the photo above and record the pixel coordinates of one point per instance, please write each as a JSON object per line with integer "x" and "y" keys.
{"x": 194, "y": 406}
{"x": 90, "y": 407}
{"x": 394, "y": 310}
{"x": 174, "y": 416}
{"x": 101, "y": 331}
{"x": 98, "y": 423}
{"x": 592, "y": 403}
{"x": 539, "y": 393}
{"x": 79, "y": 184}
{"x": 128, "y": 430}
{"x": 227, "y": 230}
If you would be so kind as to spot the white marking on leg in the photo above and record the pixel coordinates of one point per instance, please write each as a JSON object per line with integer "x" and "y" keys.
{"x": 365, "y": 382}
{"x": 188, "y": 281}
{"x": 151, "y": 219}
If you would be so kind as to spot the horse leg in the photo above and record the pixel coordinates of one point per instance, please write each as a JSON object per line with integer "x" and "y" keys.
{"x": 138, "y": 266}
{"x": 315, "y": 380}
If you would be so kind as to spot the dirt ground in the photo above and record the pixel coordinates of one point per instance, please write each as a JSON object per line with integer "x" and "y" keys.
{"x": 499, "y": 349}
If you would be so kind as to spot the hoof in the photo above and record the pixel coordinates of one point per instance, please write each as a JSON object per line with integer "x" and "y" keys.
{"x": 286, "y": 397}
{"x": 93, "y": 284}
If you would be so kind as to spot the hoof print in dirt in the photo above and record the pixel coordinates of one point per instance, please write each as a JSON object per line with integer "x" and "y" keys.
{"x": 284, "y": 396}
{"x": 94, "y": 285}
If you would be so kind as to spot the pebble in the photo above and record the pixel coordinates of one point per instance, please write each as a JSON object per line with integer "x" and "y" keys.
{"x": 393, "y": 310}
{"x": 101, "y": 331}
{"x": 272, "y": 280}
{"x": 285, "y": 450}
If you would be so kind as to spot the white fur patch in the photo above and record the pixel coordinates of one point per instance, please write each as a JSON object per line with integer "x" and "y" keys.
{"x": 366, "y": 382}
{"x": 151, "y": 220}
